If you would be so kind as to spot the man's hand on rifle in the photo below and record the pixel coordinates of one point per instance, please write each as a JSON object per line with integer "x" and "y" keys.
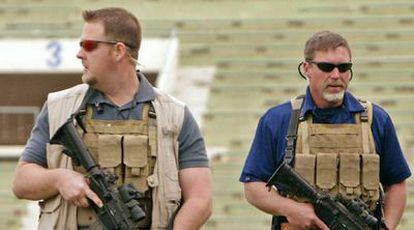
{"x": 73, "y": 186}
{"x": 303, "y": 216}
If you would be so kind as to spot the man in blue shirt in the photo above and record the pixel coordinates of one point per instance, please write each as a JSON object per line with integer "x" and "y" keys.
{"x": 327, "y": 103}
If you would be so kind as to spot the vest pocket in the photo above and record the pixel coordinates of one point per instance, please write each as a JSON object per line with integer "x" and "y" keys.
{"x": 109, "y": 151}
{"x": 370, "y": 179}
{"x": 172, "y": 208}
{"x": 326, "y": 172}
{"x": 49, "y": 212}
{"x": 334, "y": 136}
{"x": 91, "y": 140}
{"x": 305, "y": 166}
{"x": 168, "y": 173}
{"x": 172, "y": 188}
{"x": 349, "y": 175}
{"x": 136, "y": 161}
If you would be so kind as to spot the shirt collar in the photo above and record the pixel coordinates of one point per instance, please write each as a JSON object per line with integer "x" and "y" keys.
{"x": 145, "y": 93}
{"x": 350, "y": 103}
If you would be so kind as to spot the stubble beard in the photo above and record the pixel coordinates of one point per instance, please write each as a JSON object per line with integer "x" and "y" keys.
{"x": 334, "y": 97}
{"x": 88, "y": 79}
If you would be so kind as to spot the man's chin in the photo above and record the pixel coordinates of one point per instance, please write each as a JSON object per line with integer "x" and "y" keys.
{"x": 334, "y": 97}
{"x": 88, "y": 80}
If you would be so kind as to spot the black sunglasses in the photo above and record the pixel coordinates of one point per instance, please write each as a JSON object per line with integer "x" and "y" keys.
{"x": 328, "y": 67}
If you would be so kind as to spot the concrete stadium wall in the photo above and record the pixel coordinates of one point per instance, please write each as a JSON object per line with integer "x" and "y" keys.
{"x": 30, "y": 69}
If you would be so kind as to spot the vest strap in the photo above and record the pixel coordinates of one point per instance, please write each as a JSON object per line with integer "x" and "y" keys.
{"x": 292, "y": 134}
{"x": 368, "y": 145}
{"x": 152, "y": 130}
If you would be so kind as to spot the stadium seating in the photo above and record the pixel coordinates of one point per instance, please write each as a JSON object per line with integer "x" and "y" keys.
{"x": 266, "y": 77}
{"x": 201, "y": 53}
{"x": 256, "y": 47}
{"x": 367, "y": 8}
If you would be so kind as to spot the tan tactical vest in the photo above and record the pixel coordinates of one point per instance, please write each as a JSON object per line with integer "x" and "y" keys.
{"x": 124, "y": 147}
{"x": 57, "y": 213}
{"x": 340, "y": 158}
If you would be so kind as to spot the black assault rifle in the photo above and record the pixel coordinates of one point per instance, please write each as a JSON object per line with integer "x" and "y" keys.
{"x": 120, "y": 209}
{"x": 338, "y": 214}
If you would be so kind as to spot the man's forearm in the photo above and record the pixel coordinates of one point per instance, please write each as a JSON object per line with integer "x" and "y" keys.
{"x": 34, "y": 182}
{"x": 196, "y": 193}
{"x": 395, "y": 202}
{"x": 299, "y": 215}
{"x": 259, "y": 196}
{"x": 193, "y": 214}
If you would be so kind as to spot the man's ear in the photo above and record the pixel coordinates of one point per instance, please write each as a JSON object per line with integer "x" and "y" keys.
{"x": 306, "y": 69}
{"x": 120, "y": 50}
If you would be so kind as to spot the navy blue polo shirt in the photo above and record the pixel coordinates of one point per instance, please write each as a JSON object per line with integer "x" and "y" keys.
{"x": 268, "y": 148}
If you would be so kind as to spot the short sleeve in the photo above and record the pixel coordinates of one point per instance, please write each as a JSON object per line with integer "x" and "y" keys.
{"x": 192, "y": 150}
{"x": 263, "y": 156}
{"x": 393, "y": 165}
{"x": 35, "y": 149}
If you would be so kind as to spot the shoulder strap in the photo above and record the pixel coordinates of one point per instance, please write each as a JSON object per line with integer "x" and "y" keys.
{"x": 368, "y": 144}
{"x": 152, "y": 130}
{"x": 292, "y": 133}
{"x": 365, "y": 114}
{"x": 291, "y": 138}
{"x": 81, "y": 111}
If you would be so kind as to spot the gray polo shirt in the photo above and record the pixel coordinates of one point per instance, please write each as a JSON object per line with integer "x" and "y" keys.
{"x": 192, "y": 151}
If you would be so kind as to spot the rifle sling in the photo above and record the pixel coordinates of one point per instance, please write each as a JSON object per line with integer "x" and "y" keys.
{"x": 292, "y": 133}
{"x": 291, "y": 137}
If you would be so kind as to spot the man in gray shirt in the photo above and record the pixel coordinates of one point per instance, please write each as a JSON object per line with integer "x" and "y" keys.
{"x": 115, "y": 95}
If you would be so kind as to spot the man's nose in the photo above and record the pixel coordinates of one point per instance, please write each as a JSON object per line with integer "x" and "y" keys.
{"x": 80, "y": 54}
{"x": 335, "y": 73}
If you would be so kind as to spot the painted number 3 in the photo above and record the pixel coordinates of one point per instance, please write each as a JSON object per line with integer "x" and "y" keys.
{"x": 55, "y": 50}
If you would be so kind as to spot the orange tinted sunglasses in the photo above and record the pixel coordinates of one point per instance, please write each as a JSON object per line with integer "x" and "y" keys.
{"x": 90, "y": 45}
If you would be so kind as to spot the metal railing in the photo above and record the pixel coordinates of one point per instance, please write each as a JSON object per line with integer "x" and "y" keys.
{"x": 12, "y": 152}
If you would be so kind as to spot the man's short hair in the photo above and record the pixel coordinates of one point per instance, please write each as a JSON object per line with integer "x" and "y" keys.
{"x": 119, "y": 25}
{"x": 324, "y": 41}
